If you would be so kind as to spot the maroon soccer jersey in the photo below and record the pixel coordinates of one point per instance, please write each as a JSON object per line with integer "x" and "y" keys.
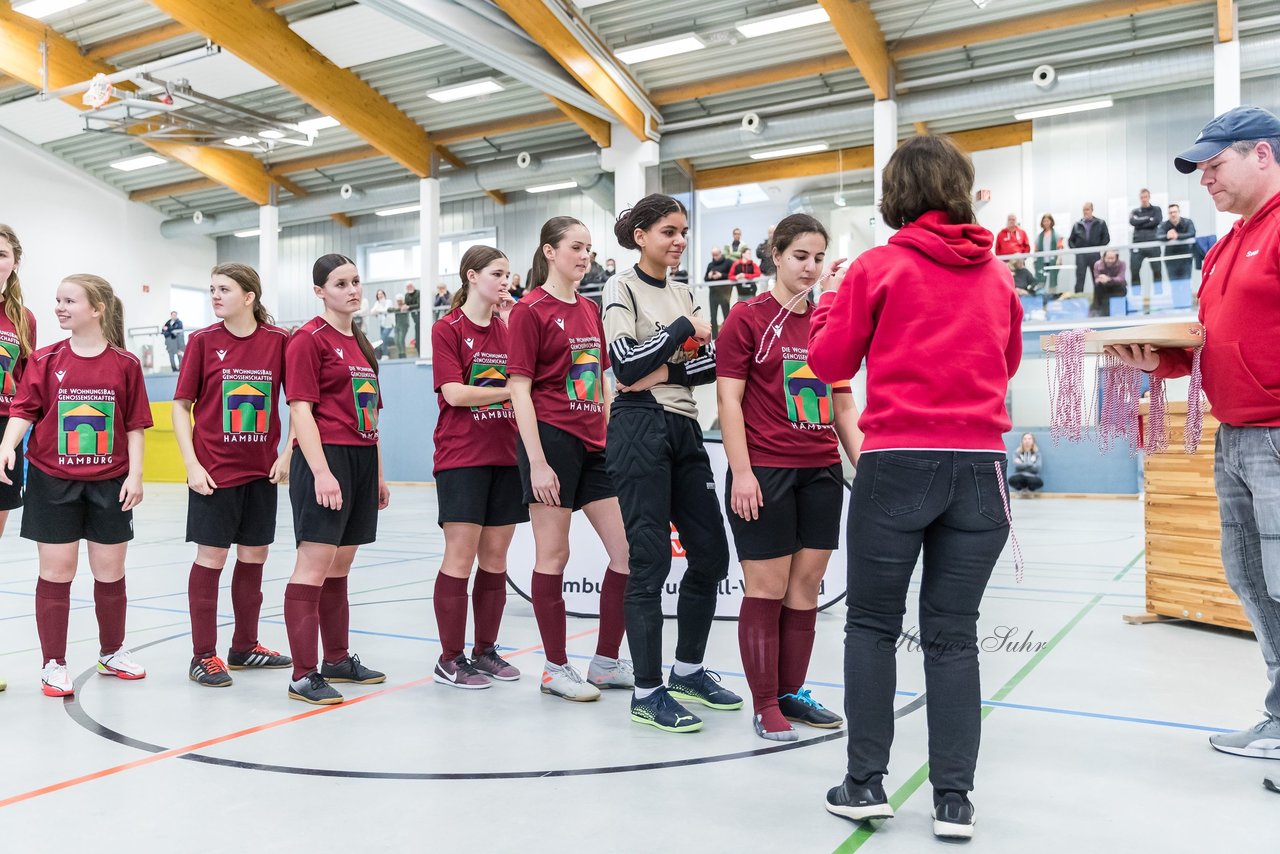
{"x": 82, "y": 410}
{"x": 11, "y": 361}
{"x": 235, "y": 385}
{"x": 326, "y": 368}
{"x": 789, "y": 413}
{"x": 560, "y": 346}
{"x": 463, "y": 352}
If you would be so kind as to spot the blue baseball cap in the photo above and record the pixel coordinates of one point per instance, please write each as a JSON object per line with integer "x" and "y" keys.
{"x": 1239, "y": 124}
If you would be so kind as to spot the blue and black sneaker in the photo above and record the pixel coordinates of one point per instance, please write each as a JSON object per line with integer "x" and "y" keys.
{"x": 800, "y": 707}
{"x": 661, "y": 711}
{"x": 703, "y": 686}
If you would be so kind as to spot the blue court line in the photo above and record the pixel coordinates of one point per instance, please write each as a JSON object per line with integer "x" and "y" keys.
{"x": 1106, "y": 717}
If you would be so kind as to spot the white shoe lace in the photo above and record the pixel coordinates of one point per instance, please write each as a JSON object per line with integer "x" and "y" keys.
{"x": 54, "y": 673}
{"x": 572, "y": 675}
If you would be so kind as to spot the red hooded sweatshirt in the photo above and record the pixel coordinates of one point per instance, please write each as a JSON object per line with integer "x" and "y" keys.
{"x": 936, "y": 317}
{"x": 1240, "y": 310}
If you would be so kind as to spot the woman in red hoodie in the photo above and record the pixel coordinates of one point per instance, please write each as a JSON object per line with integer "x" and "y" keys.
{"x": 931, "y": 474}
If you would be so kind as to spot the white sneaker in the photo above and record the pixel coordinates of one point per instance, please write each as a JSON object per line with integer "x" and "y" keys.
{"x": 611, "y": 673}
{"x": 120, "y": 664}
{"x": 54, "y": 680}
{"x": 564, "y": 681}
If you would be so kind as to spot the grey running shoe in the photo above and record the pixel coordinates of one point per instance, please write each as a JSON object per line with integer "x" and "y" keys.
{"x": 611, "y": 673}
{"x": 563, "y": 681}
{"x": 1262, "y": 741}
{"x": 495, "y": 666}
{"x": 460, "y": 674}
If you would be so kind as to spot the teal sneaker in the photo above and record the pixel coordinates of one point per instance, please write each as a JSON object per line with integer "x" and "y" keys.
{"x": 659, "y": 710}
{"x": 703, "y": 686}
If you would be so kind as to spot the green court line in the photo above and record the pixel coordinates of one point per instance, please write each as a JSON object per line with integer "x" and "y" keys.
{"x": 866, "y": 830}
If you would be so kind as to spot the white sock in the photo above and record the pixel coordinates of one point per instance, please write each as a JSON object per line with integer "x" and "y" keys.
{"x": 641, "y": 693}
{"x": 681, "y": 668}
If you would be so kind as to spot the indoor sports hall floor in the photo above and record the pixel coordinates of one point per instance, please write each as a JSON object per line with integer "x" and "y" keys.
{"x": 1095, "y": 742}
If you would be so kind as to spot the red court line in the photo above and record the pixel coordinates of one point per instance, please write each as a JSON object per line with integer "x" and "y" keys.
{"x": 232, "y": 736}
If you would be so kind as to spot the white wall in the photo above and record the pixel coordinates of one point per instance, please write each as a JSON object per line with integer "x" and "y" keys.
{"x": 69, "y": 223}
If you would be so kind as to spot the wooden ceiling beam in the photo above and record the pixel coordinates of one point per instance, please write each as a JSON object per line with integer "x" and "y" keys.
{"x": 1226, "y": 20}
{"x": 600, "y": 131}
{"x": 857, "y": 27}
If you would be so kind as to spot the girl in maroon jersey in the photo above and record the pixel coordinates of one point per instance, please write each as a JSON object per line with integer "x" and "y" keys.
{"x": 477, "y": 482}
{"x": 336, "y": 485}
{"x": 17, "y": 340}
{"x": 87, "y": 403}
{"x": 230, "y": 379}
{"x": 785, "y": 488}
{"x": 555, "y": 367}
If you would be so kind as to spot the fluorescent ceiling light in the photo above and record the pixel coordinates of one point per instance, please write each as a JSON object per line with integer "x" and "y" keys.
{"x": 44, "y": 8}
{"x": 981, "y": 4}
{"x": 1063, "y": 109}
{"x": 551, "y": 188}
{"x": 782, "y": 23}
{"x": 657, "y": 50}
{"x": 271, "y": 134}
{"x": 241, "y": 141}
{"x": 318, "y": 124}
{"x": 252, "y": 232}
{"x": 397, "y": 211}
{"x": 728, "y": 197}
{"x": 474, "y": 89}
{"x": 142, "y": 161}
{"x": 789, "y": 152}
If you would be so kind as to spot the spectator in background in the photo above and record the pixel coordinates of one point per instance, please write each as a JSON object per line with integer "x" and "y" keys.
{"x": 595, "y": 274}
{"x": 1177, "y": 228}
{"x": 440, "y": 305}
{"x": 402, "y": 326}
{"x": 1145, "y": 219}
{"x": 174, "y": 340}
{"x": 745, "y": 272}
{"x": 733, "y": 251}
{"x": 1109, "y": 280}
{"x": 1047, "y": 241}
{"x": 765, "y": 253}
{"x": 679, "y": 274}
{"x": 719, "y": 294}
{"x": 1024, "y": 281}
{"x": 357, "y": 320}
{"x": 413, "y": 299}
{"x": 1012, "y": 240}
{"x": 1089, "y": 231}
{"x": 516, "y": 290}
{"x": 1026, "y": 466}
{"x": 384, "y": 319}
{"x": 609, "y": 268}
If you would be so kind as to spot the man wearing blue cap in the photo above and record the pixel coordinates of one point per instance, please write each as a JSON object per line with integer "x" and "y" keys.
{"x": 1238, "y": 155}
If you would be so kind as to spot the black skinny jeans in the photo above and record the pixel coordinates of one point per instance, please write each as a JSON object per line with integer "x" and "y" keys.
{"x": 662, "y": 475}
{"x": 948, "y": 505}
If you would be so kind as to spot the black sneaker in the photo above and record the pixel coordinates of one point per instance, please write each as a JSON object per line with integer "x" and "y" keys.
{"x": 953, "y": 817}
{"x": 314, "y": 690}
{"x": 661, "y": 711}
{"x": 703, "y": 687}
{"x": 859, "y": 803}
{"x": 800, "y": 707}
{"x": 209, "y": 672}
{"x": 258, "y": 657}
{"x": 351, "y": 670}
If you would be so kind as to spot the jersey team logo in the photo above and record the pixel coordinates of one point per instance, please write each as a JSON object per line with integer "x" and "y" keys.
{"x": 489, "y": 376}
{"x": 9, "y": 352}
{"x": 86, "y": 427}
{"x": 366, "y": 394}
{"x": 808, "y": 398}
{"x": 246, "y": 406}
{"x": 583, "y": 382}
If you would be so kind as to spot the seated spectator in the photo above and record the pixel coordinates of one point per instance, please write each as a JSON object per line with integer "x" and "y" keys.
{"x": 1109, "y": 280}
{"x": 1026, "y": 466}
{"x": 1024, "y": 281}
{"x": 679, "y": 274}
{"x": 517, "y": 290}
{"x": 1012, "y": 240}
{"x": 745, "y": 272}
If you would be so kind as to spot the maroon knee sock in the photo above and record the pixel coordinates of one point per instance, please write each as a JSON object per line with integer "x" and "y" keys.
{"x": 335, "y": 619}
{"x": 202, "y": 600}
{"x": 613, "y": 623}
{"x": 450, "y": 600}
{"x": 246, "y": 604}
{"x": 548, "y": 610}
{"x": 53, "y": 605}
{"x": 488, "y": 599}
{"x": 758, "y": 642}
{"x": 796, "y": 631}
{"x": 302, "y": 623}
{"x": 110, "y": 603}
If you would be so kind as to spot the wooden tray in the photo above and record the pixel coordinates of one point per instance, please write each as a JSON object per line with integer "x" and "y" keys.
{"x": 1165, "y": 335}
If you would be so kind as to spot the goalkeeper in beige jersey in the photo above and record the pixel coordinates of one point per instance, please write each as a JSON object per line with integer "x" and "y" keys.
{"x": 659, "y": 345}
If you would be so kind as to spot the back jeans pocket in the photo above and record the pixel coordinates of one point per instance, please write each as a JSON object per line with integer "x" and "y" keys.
{"x": 901, "y": 483}
{"x": 987, "y": 488}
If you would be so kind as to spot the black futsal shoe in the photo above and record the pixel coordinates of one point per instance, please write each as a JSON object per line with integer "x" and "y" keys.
{"x": 209, "y": 672}
{"x": 314, "y": 690}
{"x": 258, "y": 657}
{"x": 953, "y": 817}
{"x": 351, "y": 670}
{"x": 858, "y": 803}
{"x": 800, "y": 707}
{"x": 703, "y": 686}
